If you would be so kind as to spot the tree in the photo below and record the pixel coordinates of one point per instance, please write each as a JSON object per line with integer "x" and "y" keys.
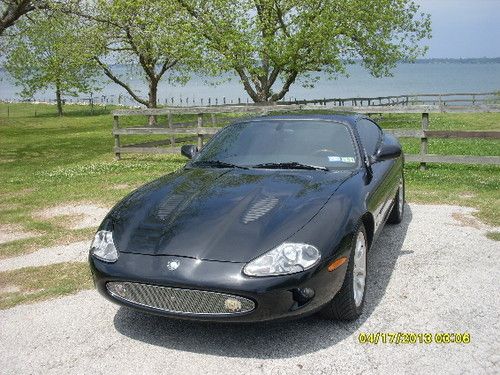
{"x": 149, "y": 35}
{"x": 270, "y": 43}
{"x": 12, "y": 10}
{"x": 51, "y": 52}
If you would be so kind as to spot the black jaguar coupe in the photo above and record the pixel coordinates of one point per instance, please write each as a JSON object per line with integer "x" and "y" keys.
{"x": 272, "y": 219}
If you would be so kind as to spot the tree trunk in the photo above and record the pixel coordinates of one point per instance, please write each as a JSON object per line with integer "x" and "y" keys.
{"x": 59, "y": 101}
{"x": 263, "y": 94}
{"x": 152, "y": 100}
{"x": 260, "y": 88}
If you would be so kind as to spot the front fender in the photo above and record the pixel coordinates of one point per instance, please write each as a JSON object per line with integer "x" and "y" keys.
{"x": 332, "y": 228}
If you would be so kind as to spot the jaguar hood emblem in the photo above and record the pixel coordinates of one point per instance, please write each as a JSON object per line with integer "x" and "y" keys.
{"x": 172, "y": 265}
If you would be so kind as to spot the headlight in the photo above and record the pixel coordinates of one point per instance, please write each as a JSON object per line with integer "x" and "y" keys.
{"x": 103, "y": 246}
{"x": 285, "y": 259}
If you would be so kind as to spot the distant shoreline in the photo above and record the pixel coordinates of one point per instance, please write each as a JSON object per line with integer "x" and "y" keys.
{"x": 426, "y": 75}
{"x": 433, "y": 60}
{"x": 472, "y": 60}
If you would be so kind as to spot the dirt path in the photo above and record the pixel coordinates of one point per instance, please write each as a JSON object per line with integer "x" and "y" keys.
{"x": 73, "y": 252}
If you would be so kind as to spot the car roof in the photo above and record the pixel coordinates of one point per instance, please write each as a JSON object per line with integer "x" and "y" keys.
{"x": 349, "y": 118}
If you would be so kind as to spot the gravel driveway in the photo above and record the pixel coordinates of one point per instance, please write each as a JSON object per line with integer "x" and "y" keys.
{"x": 430, "y": 274}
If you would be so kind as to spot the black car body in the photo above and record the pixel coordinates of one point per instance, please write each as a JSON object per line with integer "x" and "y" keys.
{"x": 183, "y": 241}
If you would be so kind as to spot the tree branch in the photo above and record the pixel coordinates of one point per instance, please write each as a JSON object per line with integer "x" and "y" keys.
{"x": 274, "y": 75}
{"x": 281, "y": 21}
{"x": 14, "y": 11}
{"x": 143, "y": 60}
{"x": 246, "y": 84}
{"x": 89, "y": 17}
{"x": 116, "y": 80}
{"x": 166, "y": 66}
{"x": 286, "y": 86}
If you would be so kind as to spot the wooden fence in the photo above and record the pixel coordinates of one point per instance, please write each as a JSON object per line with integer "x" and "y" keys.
{"x": 443, "y": 99}
{"x": 101, "y": 101}
{"x": 198, "y": 131}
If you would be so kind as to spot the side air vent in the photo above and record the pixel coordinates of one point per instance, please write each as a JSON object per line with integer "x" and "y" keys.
{"x": 259, "y": 209}
{"x": 168, "y": 205}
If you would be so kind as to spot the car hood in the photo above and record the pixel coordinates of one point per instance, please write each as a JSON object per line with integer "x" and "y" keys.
{"x": 230, "y": 215}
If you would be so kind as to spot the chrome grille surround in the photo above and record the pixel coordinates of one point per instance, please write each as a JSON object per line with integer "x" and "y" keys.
{"x": 179, "y": 300}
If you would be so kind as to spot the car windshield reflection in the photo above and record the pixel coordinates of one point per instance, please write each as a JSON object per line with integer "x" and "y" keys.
{"x": 281, "y": 144}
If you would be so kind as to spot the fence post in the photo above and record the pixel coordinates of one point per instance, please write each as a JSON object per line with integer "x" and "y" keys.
{"x": 200, "y": 136}
{"x": 116, "y": 126}
{"x": 423, "y": 140}
{"x": 171, "y": 127}
{"x": 213, "y": 119}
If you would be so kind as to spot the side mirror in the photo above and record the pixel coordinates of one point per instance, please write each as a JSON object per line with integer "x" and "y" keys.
{"x": 389, "y": 149}
{"x": 189, "y": 151}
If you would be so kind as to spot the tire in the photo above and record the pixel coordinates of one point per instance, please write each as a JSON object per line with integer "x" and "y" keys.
{"x": 347, "y": 304}
{"x": 398, "y": 210}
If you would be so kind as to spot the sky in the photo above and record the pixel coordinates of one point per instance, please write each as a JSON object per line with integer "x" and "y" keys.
{"x": 463, "y": 28}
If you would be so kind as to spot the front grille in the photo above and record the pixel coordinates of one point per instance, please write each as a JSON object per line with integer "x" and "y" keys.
{"x": 181, "y": 301}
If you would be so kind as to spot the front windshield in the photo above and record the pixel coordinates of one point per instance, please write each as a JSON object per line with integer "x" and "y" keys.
{"x": 326, "y": 144}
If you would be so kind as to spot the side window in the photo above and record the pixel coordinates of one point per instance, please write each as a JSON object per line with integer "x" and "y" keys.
{"x": 370, "y": 135}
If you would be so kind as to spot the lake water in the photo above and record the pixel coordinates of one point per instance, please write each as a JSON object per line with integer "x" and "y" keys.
{"x": 407, "y": 79}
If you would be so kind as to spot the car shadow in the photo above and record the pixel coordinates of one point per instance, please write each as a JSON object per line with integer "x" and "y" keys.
{"x": 283, "y": 339}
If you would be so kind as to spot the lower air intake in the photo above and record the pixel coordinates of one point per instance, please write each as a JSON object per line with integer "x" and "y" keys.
{"x": 180, "y": 301}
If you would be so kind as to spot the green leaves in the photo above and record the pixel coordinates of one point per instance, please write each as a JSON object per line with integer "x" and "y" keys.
{"x": 51, "y": 52}
{"x": 270, "y": 43}
{"x": 152, "y": 36}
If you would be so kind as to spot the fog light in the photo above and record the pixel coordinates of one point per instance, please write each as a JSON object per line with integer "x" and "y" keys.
{"x": 117, "y": 289}
{"x": 302, "y": 295}
{"x": 306, "y": 293}
{"x": 232, "y": 305}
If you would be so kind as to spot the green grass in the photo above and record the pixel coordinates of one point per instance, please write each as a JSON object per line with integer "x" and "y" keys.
{"x": 442, "y": 121}
{"x": 46, "y": 160}
{"x": 466, "y": 185}
{"x": 32, "y": 284}
{"x": 493, "y": 236}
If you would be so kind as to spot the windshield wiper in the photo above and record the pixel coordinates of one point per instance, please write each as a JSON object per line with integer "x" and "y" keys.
{"x": 290, "y": 165}
{"x": 216, "y": 164}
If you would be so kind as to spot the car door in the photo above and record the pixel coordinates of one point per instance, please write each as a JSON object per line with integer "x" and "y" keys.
{"x": 379, "y": 195}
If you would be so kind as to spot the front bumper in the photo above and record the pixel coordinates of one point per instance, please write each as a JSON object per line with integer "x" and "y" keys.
{"x": 274, "y": 297}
